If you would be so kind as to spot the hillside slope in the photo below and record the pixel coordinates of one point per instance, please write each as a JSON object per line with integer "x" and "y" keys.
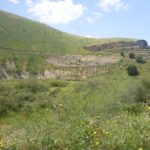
{"x": 22, "y": 34}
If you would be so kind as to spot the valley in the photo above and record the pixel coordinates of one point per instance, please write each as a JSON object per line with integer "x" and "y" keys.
{"x": 64, "y": 92}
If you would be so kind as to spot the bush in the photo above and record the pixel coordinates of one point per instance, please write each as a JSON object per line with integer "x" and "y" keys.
{"x": 32, "y": 86}
{"x": 143, "y": 93}
{"x": 140, "y": 59}
{"x": 137, "y": 94}
{"x": 132, "y": 70}
{"x": 18, "y": 97}
{"x": 58, "y": 83}
{"x": 122, "y": 54}
{"x": 132, "y": 56}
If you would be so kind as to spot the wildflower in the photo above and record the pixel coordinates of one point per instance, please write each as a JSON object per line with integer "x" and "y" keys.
{"x": 97, "y": 143}
{"x": 94, "y": 133}
{"x": 148, "y": 107}
{"x": 1, "y": 144}
{"x": 140, "y": 148}
{"x": 106, "y": 132}
{"x": 60, "y": 105}
{"x": 98, "y": 117}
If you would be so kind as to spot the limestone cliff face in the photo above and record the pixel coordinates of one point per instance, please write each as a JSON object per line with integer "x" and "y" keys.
{"x": 62, "y": 67}
{"x": 140, "y": 44}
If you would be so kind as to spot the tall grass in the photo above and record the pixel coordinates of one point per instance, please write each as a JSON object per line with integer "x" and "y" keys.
{"x": 97, "y": 113}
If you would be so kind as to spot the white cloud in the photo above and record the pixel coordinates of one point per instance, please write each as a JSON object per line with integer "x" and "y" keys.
{"x": 55, "y": 12}
{"x": 89, "y": 36}
{"x": 97, "y": 15}
{"x": 14, "y": 1}
{"x": 29, "y": 2}
{"x": 90, "y": 20}
{"x": 106, "y": 5}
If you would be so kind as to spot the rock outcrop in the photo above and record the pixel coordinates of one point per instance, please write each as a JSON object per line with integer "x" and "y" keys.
{"x": 61, "y": 67}
{"x": 140, "y": 44}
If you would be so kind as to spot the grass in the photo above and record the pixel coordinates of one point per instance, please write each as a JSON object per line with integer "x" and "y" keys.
{"x": 24, "y": 62}
{"x": 107, "y": 112}
{"x": 27, "y": 43}
{"x": 18, "y": 33}
{"x": 95, "y": 113}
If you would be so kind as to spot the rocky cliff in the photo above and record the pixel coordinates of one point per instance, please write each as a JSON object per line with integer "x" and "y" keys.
{"x": 140, "y": 44}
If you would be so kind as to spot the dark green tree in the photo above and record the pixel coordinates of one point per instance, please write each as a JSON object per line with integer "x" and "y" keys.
{"x": 132, "y": 70}
{"x": 141, "y": 60}
{"x": 132, "y": 56}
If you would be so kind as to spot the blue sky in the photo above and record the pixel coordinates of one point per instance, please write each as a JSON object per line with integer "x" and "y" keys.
{"x": 93, "y": 18}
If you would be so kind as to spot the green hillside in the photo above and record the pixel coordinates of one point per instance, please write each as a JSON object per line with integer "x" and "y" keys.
{"x": 103, "y": 105}
{"x": 22, "y": 34}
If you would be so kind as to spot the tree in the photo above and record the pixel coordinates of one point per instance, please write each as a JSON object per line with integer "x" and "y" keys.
{"x": 122, "y": 54}
{"x": 132, "y": 56}
{"x": 132, "y": 70}
{"x": 140, "y": 59}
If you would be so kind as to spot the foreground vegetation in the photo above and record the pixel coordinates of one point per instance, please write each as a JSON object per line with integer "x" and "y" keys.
{"x": 110, "y": 111}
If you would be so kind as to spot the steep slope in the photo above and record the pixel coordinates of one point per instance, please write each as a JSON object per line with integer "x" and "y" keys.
{"x": 22, "y": 34}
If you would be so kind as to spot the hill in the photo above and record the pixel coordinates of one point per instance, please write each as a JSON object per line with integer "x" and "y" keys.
{"x": 18, "y": 33}
{"x": 92, "y": 102}
{"x": 28, "y": 47}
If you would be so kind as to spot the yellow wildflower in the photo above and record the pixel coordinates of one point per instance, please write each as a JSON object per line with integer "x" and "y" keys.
{"x": 94, "y": 133}
{"x": 148, "y": 107}
{"x": 97, "y": 143}
{"x": 140, "y": 148}
{"x": 1, "y": 144}
{"x": 106, "y": 132}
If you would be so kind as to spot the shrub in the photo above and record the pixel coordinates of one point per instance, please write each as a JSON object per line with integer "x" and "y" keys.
{"x": 138, "y": 93}
{"x": 58, "y": 83}
{"x": 122, "y": 54}
{"x": 132, "y": 56}
{"x": 143, "y": 93}
{"x": 132, "y": 70}
{"x": 140, "y": 59}
{"x": 32, "y": 86}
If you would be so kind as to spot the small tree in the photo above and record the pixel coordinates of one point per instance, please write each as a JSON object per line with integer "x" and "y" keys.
{"x": 140, "y": 59}
{"x": 122, "y": 54}
{"x": 132, "y": 70}
{"x": 132, "y": 56}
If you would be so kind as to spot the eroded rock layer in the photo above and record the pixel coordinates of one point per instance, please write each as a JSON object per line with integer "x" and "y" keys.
{"x": 140, "y": 44}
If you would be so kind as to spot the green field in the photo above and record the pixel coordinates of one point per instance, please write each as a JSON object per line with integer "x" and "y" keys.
{"x": 109, "y": 111}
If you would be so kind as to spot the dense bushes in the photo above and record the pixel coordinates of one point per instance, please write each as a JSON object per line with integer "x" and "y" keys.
{"x": 138, "y": 93}
{"x": 23, "y": 94}
{"x": 132, "y": 70}
{"x": 143, "y": 92}
{"x": 140, "y": 59}
{"x": 16, "y": 97}
{"x": 32, "y": 86}
{"x": 14, "y": 100}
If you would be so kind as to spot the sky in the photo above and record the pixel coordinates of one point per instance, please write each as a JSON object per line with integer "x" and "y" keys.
{"x": 90, "y": 18}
